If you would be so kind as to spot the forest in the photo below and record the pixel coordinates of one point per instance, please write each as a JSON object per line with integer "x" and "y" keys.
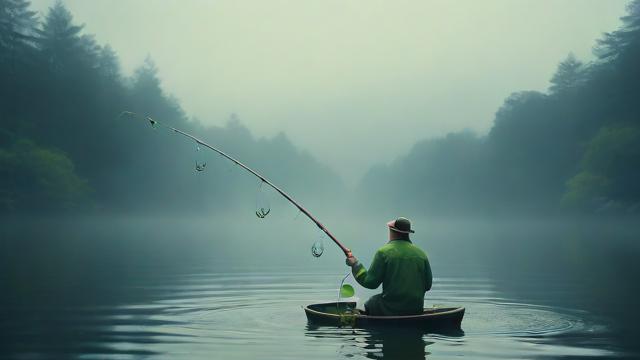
{"x": 65, "y": 148}
{"x": 572, "y": 149}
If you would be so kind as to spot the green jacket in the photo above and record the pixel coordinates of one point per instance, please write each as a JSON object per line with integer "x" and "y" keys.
{"x": 405, "y": 274}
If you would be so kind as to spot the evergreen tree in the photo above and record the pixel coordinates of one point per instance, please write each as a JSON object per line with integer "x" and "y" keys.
{"x": 146, "y": 81}
{"x": 570, "y": 74}
{"x": 90, "y": 51}
{"x": 59, "y": 38}
{"x": 62, "y": 144}
{"x": 17, "y": 57}
{"x": 17, "y": 26}
{"x": 108, "y": 64}
{"x": 625, "y": 40}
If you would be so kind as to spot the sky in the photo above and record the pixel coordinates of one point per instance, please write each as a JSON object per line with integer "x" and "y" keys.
{"x": 355, "y": 83}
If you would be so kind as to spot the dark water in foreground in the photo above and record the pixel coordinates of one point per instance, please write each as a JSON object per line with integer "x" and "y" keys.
{"x": 258, "y": 315}
{"x": 63, "y": 302}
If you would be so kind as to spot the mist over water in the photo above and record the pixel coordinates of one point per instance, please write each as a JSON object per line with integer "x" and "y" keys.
{"x": 170, "y": 288}
{"x": 124, "y": 238}
{"x": 341, "y": 73}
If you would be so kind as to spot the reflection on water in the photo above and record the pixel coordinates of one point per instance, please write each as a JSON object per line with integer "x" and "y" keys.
{"x": 375, "y": 343}
{"x": 247, "y": 315}
{"x": 171, "y": 295}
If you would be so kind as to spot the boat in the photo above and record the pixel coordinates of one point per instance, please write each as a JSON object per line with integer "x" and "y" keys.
{"x": 345, "y": 314}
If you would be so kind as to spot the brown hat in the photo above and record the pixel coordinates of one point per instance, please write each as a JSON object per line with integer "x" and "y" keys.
{"x": 401, "y": 225}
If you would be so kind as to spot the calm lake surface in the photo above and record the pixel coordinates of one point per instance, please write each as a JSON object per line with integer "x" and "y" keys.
{"x": 126, "y": 294}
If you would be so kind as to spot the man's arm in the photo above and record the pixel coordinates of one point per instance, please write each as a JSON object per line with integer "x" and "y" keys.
{"x": 373, "y": 277}
{"x": 428, "y": 276}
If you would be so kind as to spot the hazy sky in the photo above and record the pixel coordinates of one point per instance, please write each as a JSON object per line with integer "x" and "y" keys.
{"x": 353, "y": 82}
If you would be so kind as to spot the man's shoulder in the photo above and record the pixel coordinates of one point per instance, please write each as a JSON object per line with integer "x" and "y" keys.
{"x": 418, "y": 250}
{"x": 401, "y": 248}
{"x": 382, "y": 249}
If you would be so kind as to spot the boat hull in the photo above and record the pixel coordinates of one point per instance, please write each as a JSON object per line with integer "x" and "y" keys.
{"x": 449, "y": 318}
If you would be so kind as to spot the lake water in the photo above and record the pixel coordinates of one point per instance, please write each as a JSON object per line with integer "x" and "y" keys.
{"x": 124, "y": 296}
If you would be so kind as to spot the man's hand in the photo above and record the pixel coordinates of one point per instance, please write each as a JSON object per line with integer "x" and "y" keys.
{"x": 351, "y": 261}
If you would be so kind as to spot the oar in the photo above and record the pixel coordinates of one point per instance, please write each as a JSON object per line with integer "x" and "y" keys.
{"x": 153, "y": 122}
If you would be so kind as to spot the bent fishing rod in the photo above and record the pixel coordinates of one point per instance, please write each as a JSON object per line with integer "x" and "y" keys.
{"x": 153, "y": 122}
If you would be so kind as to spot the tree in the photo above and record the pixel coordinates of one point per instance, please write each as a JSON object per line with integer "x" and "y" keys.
{"x": 59, "y": 119}
{"x": 609, "y": 170}
{"x": 570, "y": 74}
{"x": 108, "y": 64}
{"x": 441, "y": 175}
{"x": 17, "y": 57}
{"x": 625, "y": 40}
{"x": 17, "y": 26}
{"x": 59, "y": 38}
{"x": 146, "y": 81}
{"x": 35, "y": 178}
{"x": 89, "y": 51}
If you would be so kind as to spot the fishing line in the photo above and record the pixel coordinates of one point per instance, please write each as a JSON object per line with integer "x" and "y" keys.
{"x": 347, "y": 291}
{"x": 154, "y": 123}
{"x": 263, "y": 205}
{"x": 342, "y": 284}
{"x": 317, "y": 249}
{"x": 200, "y": 163}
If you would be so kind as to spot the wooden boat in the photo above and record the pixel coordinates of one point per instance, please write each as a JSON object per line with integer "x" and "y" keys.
{"x": 345, "y": 314}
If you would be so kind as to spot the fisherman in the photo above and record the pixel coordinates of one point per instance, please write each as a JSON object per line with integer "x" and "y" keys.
{"x": 403, "y": 270}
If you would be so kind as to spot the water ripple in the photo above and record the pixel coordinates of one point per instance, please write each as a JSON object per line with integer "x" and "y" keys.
{"x": 260, "y": 315}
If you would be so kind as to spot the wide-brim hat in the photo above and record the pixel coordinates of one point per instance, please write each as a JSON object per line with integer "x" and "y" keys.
{"x": 401, "y": 225}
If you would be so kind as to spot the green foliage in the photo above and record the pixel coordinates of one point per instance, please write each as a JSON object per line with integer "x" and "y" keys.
{"x": 108, "y": 64}
{"x": 624, "y": 41}
{"x": 568, "y": 76}
{"x": 544, "y": 153}
{"x": 67, "y": 90}
{"x": 17, "y": 23}
{"x": 59, "y": 39}
{"x": 610, "y": 170}
{"x": 145, "y": 81}
{"x": 63, "y": 90}
{"x": 611, "y": 149}
{"x": 37, "y": 178}
{"x": 347, "y": 320}
{"x": 584, "y": 189}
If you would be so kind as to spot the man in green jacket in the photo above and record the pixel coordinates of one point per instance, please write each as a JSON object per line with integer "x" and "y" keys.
{"x": 403, "y": 270}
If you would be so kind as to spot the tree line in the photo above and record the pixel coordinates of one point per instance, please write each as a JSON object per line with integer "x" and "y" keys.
{"x": 63, "y": 146}
{"x": 574, "y": 148}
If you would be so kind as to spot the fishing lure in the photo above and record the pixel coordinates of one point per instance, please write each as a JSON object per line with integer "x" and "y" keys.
{"x": 263, "y": 208}
{"x": 154, "y": 123}
{"x": 262, "y": 213}
{"x": 200, "y": 167}
{"x": 317, "y": 248}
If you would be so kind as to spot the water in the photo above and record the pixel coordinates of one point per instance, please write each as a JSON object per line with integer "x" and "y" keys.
{"x": 251, "y": 315}
{"x": 126, "y": 300}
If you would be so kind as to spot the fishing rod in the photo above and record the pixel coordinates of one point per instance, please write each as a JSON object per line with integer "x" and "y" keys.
{"x": 153, "y": 123}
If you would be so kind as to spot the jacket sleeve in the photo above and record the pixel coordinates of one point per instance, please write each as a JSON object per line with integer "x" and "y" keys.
{"x": 373, "y": 277}
{"x": 428, "y": 275}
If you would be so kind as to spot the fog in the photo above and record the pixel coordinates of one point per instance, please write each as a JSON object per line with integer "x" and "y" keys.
{"x": 507, "y": 131}
{"x": 110, "y": 278}
{"x": 370, "y": 78}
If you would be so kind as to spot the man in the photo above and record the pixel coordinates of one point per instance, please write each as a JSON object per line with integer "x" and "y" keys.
{"x": 402, "y": 269}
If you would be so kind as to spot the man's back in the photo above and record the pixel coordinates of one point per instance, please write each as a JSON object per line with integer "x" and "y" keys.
{"x": 405, "y": 274}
